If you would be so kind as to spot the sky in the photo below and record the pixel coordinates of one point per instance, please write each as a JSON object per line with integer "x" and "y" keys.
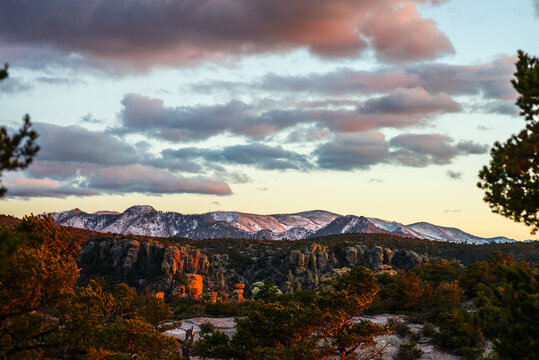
{"x": 381, "y": 108}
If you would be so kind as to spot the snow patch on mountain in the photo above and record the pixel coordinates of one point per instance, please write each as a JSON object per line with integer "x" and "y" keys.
{"x": 145, "y": 220}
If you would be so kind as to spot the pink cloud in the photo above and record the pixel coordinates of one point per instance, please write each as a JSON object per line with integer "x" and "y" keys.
{"x": 19, "y": 185}
{"x": 140, "y": 34}
{"x": 145, "y": 179}
{"x": 400, "y": 34}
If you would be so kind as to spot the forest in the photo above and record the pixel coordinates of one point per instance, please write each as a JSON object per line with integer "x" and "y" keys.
{"x": 473, "y": 301}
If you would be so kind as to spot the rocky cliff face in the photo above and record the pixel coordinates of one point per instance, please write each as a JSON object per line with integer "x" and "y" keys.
{"x": 306, "y": 268}
{"x": 185, "y": 270}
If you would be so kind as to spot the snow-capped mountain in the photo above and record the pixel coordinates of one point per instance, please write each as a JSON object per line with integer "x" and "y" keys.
{"x": 145, "y": 220}
{"x": 442, "y": 233}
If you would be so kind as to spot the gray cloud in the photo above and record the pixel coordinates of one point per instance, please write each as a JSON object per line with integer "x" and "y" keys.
{"x": 149, "y": 116}
{"x": 57, "y": 80}
{"x": 143, "y": 179}
{"x": 307, "y": 134}
{"x": 90, "y": 180}
{"x": 59, "y": 192}
{"x": 90, "y": 119}
{"x": 140, "y": 34}
{"x": 362, "y": 150}
{"x": 455, "y": 175}
{"x": 256, "y": 155}
{"x": 490, "y": 79}
{"x": 471, "y": 147}
{"x": 75, "y": 143}
{"x": 80, "y": 162}
{"x": 410, "y": 101}
{"x": 536, "y": 3}
{"x": 14, "y": 85}
{"x": 353, "y": 151}
{"x": 420, "y": 150}
{"x": 503, "y": 108}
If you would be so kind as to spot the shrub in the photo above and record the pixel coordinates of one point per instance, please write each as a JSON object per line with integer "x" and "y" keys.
{"x": 429, "y": 330}
{"x": 409, "y": 351}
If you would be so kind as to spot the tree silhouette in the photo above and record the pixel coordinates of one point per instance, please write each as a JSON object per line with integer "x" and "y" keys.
{"x": 18, "y": 150}
{"x": 511, "y": 181}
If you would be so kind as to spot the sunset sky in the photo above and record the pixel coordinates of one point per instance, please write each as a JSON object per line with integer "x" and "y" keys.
{"x": 382, "y": 108}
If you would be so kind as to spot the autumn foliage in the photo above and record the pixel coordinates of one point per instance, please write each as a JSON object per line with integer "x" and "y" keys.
{"x": 44, "y": 314}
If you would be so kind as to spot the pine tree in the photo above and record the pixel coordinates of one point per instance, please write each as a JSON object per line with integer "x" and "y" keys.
{"x": 18, "y": 150}
{"x": 511, "y": 181}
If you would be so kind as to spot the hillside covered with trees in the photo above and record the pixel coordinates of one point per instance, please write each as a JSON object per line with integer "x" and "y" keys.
{"x": 71, "y": 294}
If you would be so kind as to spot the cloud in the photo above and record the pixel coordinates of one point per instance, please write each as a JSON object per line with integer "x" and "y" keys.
{"x": 402, "y": 35}
{"x": 144, "y": 179}
{"x": 536, "y": 3}
{"x": 502, "y": 108}
{"x": 471, "y": 147}
{"x": 363, "y": 150}
{"x": 77, "y": 161}
{"x": 307, "y": 134}
{"x": 454, "y": 175}
{"x": 14, "y": 85}
{"x": 140, "y": 34}
{"x": 410, "y": 101}
{"x": 255, "y": 155}
{"x": 90, "y": 119}
{"x": 420, "y": 150}
{"x": 75, "y": 143}
{"x": 353, "y": 151}
{"x": 21, "y": 186}
{"x": 451, "y": 211}
{"x": 490, "y": 79}
{"x": 57, "y": 80}
{"x": 149, "y": 116}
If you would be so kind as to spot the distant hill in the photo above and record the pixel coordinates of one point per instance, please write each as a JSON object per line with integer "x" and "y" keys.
{"x": 8, "y": 220}
{"x": 145, "y": 220}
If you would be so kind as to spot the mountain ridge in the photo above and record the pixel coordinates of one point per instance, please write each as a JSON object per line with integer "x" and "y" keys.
{"x": 145, "y": 220}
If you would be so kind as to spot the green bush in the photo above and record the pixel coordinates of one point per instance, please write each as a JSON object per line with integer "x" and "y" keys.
{"x": 409, "y": 351}
{"x": 459, "y": 333}
{"x": 429, "y": 330}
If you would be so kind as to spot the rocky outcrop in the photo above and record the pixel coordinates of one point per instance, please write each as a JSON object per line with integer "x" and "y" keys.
{"x": 364, "y": 255}
{"x": 405, "y": 259}
{"x": 146, "y": 264}
{"x": 194, "y": 285}
{"x": 237, "y": 294}
{"x": 181, "y": 259}
{"x": 182, "y": 270}
{"x": 308, "y": 266}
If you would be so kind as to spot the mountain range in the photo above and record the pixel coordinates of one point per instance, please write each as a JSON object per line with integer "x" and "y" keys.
{"x": 145, "y": 220}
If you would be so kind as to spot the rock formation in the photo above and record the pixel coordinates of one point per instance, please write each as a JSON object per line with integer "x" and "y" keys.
{"x": 182, "y": 270}
{"x": 237, "y": 294}
{"x": 194, "y": 285}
